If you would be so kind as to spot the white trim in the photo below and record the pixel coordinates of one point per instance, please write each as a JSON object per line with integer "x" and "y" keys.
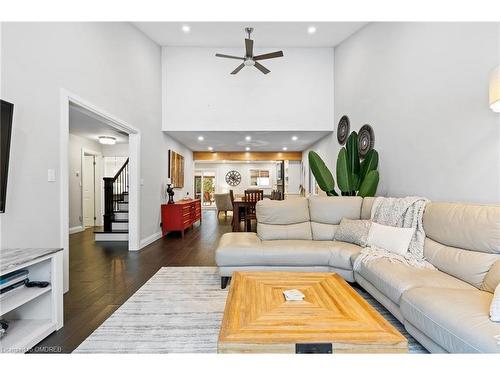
{"x": 149, "y": 240}
{"x": 66, "y": 98}
{"x": 164, "y": 125}
{"x": 76, "y": 229}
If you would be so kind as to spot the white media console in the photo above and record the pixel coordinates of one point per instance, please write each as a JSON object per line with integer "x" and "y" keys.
{"x": 32, "y": 313}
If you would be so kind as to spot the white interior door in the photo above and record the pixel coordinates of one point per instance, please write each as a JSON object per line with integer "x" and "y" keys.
{"x": 88, "y": 192}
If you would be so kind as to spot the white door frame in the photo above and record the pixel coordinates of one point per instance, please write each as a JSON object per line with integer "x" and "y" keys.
{"x": 202, "y": 171}
{"x": 66, "y": 98}
{"x": 97, "y": 184}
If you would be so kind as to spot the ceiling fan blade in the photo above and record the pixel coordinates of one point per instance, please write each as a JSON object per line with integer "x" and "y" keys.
{"x": 249, "y": 47}
{"x": 261, "y": 67}
{"x": 241, "y": 66}
{"x": 271, "y": 55}
{"x": 229, "y": 56}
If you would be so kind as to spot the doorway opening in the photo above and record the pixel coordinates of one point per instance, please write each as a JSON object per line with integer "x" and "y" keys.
{"x": 127, "y": 140}
{"x": 204, "y": 187}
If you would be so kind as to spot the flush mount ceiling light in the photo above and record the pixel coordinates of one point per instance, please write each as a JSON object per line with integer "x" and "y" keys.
{"x": 285, "y": 148}
{"x": 248, "y": 138}
{"x": 294, "y": 138}
{"x": 247, "y": 148}
{"x": 495, "y": 90}
{"x": 186, "y": 28}
{"x": 201, "y": 138}
{"x": 311, "y": 29}
{"x": 105, "y": 140}
{"x": 210, "y": 148}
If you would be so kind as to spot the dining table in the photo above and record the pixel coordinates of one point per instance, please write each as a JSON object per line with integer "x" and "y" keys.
{"x": 239, "y": 205}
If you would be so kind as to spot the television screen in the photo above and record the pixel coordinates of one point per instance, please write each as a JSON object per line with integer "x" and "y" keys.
{"x": 6, "y": 111}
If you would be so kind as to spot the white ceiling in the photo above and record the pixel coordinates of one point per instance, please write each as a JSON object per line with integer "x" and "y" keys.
{"x": 266, "y": 34}
{"x": 261, "y": 140}
{"x": 90, "y": 126}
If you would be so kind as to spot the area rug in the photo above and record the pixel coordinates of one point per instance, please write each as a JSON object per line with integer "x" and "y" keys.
{"x": 179, "y": 310}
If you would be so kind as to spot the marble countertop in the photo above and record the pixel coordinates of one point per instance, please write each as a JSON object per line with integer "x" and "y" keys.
{"x": 10, "y": 258}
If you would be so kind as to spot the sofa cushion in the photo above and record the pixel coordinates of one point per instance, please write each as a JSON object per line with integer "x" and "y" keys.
{"x": 457, "y": 319}
{"x": 466, "y": 226}
{"x": 323, "y": 232}
{"x": 330, "y": 210}
{"x": 492, "y": 278}
{"x": 246, "y": 249}
{"x": 300, "y": 231}
{"x": 394, "y": 278}
{"x": 283, "y": 220}
{"x": 289, "y": 211}
{"x": 366, "y": 208}
{"x": 296, "y": 253}
{"x": 238, "y": 249}
{"x": 469, "y": 266}
{"x": 343, "y": 254}
{"x": 327, "y": 212}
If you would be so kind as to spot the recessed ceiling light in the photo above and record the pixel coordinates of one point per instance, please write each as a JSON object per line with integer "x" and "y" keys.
{"x": 285, "y": 148}
{"x": 210, "y": 148}
{"x": 247, "y": 148}
{"x": 201, "y": 138}
{"x": 105, "y": 140}
{"x": 311, "y": 29}
{"x": 248, "y": 138}
{"x": 186, "y": 28}
{"x": 294, "y": 138}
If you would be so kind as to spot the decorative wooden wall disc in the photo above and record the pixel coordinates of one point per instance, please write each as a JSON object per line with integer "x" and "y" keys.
{"x": 343, "y": 130}
{"x": 366, "y": 140}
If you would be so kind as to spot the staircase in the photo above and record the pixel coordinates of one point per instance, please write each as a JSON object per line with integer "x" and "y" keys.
{"x": 115, "y": 207}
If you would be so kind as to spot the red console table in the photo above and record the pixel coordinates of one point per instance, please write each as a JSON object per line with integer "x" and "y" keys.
{"x": 180, "y": 215}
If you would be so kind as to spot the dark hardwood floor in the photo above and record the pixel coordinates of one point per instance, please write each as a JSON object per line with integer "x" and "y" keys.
{"x": 104, "y": 275}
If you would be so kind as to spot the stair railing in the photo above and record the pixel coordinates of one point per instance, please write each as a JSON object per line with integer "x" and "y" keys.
{"x": 114, "y": 189}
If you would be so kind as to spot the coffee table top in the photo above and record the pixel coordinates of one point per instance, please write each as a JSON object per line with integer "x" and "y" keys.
{"x": 257, "y": 315}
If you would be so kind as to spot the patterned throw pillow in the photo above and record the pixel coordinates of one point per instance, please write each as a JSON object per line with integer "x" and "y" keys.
{"x": 353, "y": 231}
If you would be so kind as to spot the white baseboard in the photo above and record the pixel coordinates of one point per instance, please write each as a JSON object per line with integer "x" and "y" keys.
{"x": 77, "y": 229}
{"x": 149, "y": 240}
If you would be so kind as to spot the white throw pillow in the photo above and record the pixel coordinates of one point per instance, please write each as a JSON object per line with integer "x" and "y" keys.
{"x": 393, "y": 239}
{"x": 495, "y": 306}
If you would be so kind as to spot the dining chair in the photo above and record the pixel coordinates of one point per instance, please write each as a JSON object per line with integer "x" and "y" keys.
{"x": 253, "y": 196}
{"x": 224, "y": 203}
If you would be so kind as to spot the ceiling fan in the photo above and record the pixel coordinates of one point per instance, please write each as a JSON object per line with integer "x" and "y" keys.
{"x": 250, "y": 59}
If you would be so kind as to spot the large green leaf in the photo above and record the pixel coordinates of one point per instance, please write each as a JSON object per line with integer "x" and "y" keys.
{"x": 321, "y": 173}
{"x": 344, "y": 175}
{"x": 369, "y": 185}
{"x": 352, "y": 153}
{"x": 370, "y": 163}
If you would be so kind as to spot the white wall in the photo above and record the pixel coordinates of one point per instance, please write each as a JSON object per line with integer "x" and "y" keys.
{"x": 200, "y": 94}
{"x": 221, "y": 170}
{"x": 111, "y": 65}
{"x": 327, "y": 148}
{"x": 424, "y": 89}
{"x": 294, "y": 175}
{"x": 118, "y": 149}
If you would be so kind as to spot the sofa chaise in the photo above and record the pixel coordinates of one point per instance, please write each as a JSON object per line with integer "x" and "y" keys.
{"x": 446, "y": 309}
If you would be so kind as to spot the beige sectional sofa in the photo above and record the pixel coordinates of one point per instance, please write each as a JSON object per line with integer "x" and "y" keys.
{"x": 446, "y": 310}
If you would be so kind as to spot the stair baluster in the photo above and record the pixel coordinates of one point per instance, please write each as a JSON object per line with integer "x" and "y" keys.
{"x": 114, "y": 187}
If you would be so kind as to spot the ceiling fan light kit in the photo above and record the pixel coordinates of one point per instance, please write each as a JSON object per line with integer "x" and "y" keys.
{"x": 249, "y": 59}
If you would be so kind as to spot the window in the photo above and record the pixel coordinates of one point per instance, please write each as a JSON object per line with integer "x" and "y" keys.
{"x": 259, "y": 177}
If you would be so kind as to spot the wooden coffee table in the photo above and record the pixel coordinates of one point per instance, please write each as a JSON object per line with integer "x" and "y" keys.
{"x": 332, "y": 318}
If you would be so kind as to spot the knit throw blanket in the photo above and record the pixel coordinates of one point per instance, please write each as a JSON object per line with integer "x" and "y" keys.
{"x": 403, "y": 213}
